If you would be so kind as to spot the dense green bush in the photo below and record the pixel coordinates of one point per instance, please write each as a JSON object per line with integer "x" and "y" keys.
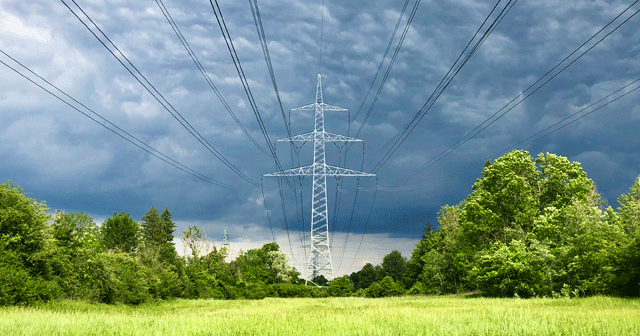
{"x": 384, "y": 288}
{"x": 18, "y": 286}
{"x": 340, "y": 287}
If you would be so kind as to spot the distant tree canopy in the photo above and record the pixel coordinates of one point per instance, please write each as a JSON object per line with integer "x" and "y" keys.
{"x": 529, "y": 227}
{"x": 120, "y": 232}
{"x": 157, "y": 229}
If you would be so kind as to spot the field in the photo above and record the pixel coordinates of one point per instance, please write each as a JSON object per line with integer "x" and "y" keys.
{"x": 445, "y": 315}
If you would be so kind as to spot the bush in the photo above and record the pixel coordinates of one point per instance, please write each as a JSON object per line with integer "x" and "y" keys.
{"x": 18, "y": 286}
{"x": 384, "y": 288}
{"x": 255, "y": 291}
{"x": 340, "y": 287}
{"x": 512, "y": 270}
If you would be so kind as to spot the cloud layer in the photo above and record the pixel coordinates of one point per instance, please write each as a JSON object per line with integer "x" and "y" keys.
{"x": 58, "y": 155}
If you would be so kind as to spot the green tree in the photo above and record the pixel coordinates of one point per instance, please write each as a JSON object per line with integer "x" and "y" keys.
{"x": 625, "y": 260}
{"x": 320, "y": 280}
{"x": 340, "y": 287}
{"x": 74, "y": 230}
{"x": 120, "y": 232}
{"x": 394, "y": 265}
{"x": 384, "y": 288}
{"x": 23, "y": 223}
{"x": 168, "y": 227}
{"x": 150, "y": 227}
{"x": 503, "y": 203}
{"x": 27, "y": 252}
{"x": 512, "y": 270}
{"x": 196, "y": 242}
{"x": 365, "y": 277}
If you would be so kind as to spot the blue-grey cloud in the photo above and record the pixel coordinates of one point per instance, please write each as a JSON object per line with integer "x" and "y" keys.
{"x": 75, "y": 165}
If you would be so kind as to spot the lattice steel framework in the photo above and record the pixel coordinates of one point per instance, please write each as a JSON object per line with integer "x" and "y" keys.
{"x": 319, "y": 262}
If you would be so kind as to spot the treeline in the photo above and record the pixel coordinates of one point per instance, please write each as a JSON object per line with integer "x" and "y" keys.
{"x": 530, "y": 227}
{"x": 68, "y": 256}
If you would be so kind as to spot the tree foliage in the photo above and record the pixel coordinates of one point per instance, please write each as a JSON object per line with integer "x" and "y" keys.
{"x": 120, "y": 232}
{"x": 531, "y": 228}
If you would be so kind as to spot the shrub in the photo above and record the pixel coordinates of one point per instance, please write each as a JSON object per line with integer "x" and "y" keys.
{"x": 340, "y": 287}
{"x": 384, "y": 288}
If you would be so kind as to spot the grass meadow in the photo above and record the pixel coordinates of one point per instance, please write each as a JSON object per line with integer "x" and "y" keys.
{"x": 439, "y": 315}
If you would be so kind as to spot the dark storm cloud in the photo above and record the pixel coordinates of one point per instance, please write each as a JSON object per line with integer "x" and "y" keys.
{"x": 64, "y": 158}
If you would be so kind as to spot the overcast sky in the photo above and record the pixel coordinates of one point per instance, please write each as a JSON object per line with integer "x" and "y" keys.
{"x": 60, "y": 156}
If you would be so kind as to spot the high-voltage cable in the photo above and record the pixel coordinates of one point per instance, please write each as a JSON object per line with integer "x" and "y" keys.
{"x": 391, "y": 63}
{"x": 162, "y": 102}
{"x": 243, "y": 79}
{"x": 366, "y": 225}
{"x": 140, "y": 144}
{"x": 204, "y": 73}
{"x": 488, "y": 122}
{"x": 540, "y": 134}
{"x": 384, "y": 56}
{"x": 402, "y": 135}
{"x": 257, "y": 19}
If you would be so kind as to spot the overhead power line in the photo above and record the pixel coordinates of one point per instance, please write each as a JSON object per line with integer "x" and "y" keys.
{"x": 366, "y": 226}
{"x": 391, "y": 62}
{"x": 524, "y": 95}
{"x": 568, "y": 120}
{"x": 255, "y": 11}
{"x": 257, "y": 19}
{"x": 254, "y": 106}
{"x": 338, "y": 196}
{"x": 543, "y": 133}
{"x": 464, "y": 57}
{"x": 204, "y": 73}
{"x": 243, "y": 79}
{"x": 120, "y": 132}
{"x": 156, "y": 94}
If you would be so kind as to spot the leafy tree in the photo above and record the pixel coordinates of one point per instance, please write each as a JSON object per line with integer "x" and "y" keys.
{"x": 267, "y": 265}
{"x": 340, "y": 287}
{"x": 384, "y": 288}
{"x": 503, "y": 203}
{"x": 168, "y": 227}
{"x": 529, "y": 227}
{"x": 120, "y": 232}
{"x": 74, "y": 230}
{"x": 394, "y": 265}
{"x": 415, "y": 263}
{"x": 625, "y": 261}
{"x": 630, "y": 208}
{"x": 320, "y": 280}
{"x": 512, "y": 270}
{"x": 278, "y": 265}
{"x": 561, "y": 182}
{"x": 23, "y": 223}
{"x": 195, "y": 241}
{"x": 150, "y": 227}
{"x": 365, "y": 277}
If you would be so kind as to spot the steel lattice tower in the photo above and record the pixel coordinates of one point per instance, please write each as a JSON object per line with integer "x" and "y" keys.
{"x": 319, "y": 262}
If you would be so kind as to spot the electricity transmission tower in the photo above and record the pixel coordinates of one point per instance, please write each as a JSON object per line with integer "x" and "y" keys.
{"x": 225, "y": 243}
{"x": 319, "y": 262}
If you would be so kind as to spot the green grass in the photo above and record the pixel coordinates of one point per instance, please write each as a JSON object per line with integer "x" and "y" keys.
{"x": 444, "y": 315}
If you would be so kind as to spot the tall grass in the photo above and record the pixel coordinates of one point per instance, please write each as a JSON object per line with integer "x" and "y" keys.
{"x": 446, "y": 315}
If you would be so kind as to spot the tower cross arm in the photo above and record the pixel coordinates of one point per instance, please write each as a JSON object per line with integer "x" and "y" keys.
{"x": 323, "y": 106}
{"x": 299, "y": 171}
{"x": 320, "y": 170}
{"x": 322, "y": 136}
{"x": 338, "y": 171}
{"x": 328, "y": 107}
